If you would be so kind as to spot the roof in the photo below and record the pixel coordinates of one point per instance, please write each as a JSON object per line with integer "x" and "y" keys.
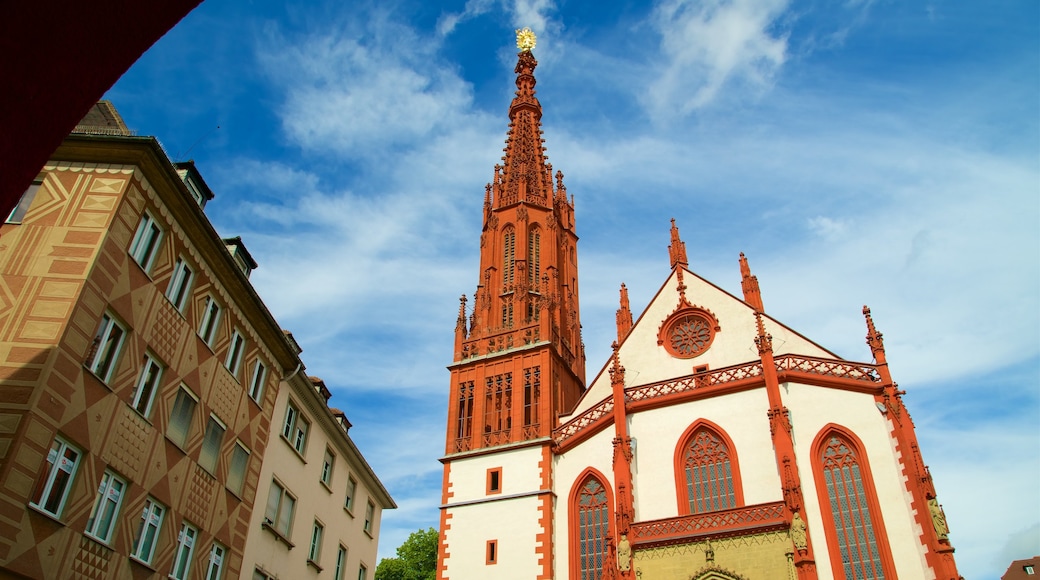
{"x": 1022, "y": 569}
{"x": 103, "y": 119}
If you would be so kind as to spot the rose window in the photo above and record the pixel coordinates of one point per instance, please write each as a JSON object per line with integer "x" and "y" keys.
{"x": 688, "y": 334}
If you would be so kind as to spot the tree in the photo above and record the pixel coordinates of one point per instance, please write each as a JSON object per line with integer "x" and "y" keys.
{"x": 416, "y": 558}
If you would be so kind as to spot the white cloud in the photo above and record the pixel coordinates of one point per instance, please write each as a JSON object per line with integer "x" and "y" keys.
{"x": 707, "y": 45}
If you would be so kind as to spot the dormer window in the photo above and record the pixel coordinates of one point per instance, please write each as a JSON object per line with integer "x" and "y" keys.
{"x": 238, "y": 252}
{"x": 197, "y": 188}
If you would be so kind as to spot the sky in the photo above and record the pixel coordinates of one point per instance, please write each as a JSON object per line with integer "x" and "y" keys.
{"x": 861, "y": 152}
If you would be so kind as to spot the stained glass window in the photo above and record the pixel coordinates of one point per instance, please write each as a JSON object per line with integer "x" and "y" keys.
{"x": 708, "y": 472}
{"x": 592, "y": 529}
{"x": 850, "y": 511}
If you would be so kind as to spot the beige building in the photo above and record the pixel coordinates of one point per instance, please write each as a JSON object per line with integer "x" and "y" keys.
{"x": 323, "y": 501}
{"x": 139, "y": 371}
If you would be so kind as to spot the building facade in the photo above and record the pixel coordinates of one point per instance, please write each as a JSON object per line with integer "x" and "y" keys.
{"x": 323, "y": 501}
{"x": 716, "y": 443}
{"x": 139, "y": 370}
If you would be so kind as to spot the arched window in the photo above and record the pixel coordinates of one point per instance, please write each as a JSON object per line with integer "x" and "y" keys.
{"x": 508, "y": 257}
{"x": 852, "y": 517}
{"x": 534, "y": 258}
{"x": 590, "y": 513}
{"x": 706, "y": 474}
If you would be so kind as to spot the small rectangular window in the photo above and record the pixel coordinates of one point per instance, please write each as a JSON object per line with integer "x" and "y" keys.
{"x": 316, "y": 534}
{"x": 19, "y": 211}
{"x": 148, "y": 528}
{"x": 211, "y": 444}
{"x": 370, "y": 511}
{"x": 256, "y": 383}
{"x": 351, "y": 490}
{"x": 280, "y": 508}
{"x": 185, "y": 547}
{"x": 326, "y": 466}
{"x": 362, "y": 573}
{"x": 104, "y": 351}
{"x": 295, "y": 428}
{"x": 237, "y": 468}
{"x": 106, "y": 507}
{"x": 146, "y": 242}
{"x": 234, "y": 354}
{"x": 494, "y": 480}
{"x": 53, "y": 486}
{"x": 215, "y": 567}
{"x": 180, "y": 284}
{"x": 492, "y": 552}
{"x": 210, "y": 320}
{"x": 181, "y": 415}
{"x": 341, "y": 563}
{"x": 147, "y": 385}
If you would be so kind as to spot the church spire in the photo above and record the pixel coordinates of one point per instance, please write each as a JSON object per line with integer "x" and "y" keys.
{"x": 749, "y": 283}
{"x": 624, "y": 316}
{"x": 677, "y": 249}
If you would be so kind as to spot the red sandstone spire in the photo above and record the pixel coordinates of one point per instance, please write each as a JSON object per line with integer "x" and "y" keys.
{"x": 877, "y": 347}
{"x": 677, "y": 249}
{"x": 624, "y": 316}
{"x": 749, "y": 283}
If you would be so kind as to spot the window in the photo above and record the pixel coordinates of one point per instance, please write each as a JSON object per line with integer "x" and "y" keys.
{"x": 590, "y": 517}
{"x": 148, "y": 530}
{"x": 19, "y": 211}
{"x": 280, "y": 507}
{"x": 341, "y": 563}
{"x": 316, "y": 534}
{"x": 216, "y": 562}
{"x": 256, "y": 383}
{"x": 706, "y": 471}
{"x": 180, "y": 417}
{"x": 1028, "y": 569}
{"x": 211, "y": 444}
{"x": 295, "y": 428}
{"x": 53, "y": 487}
{"x": 370, "y": 511}
{"x": 854, "y": 525}
{"x": 362, "y": 573}
{"x": 105, "y": 349}
{"x": 185, "y": 547}
{"x": 180, "y": 284}
{"x": 210, "y": 320}
{"x": 492, "y": 552}
{"x": 494, "y": 480}
{"x": 106, "y": 506}
{"x": 147, "y": 385}
{"x": 237, "y": 467}
{"x": 348, "y": 504}
{"x": 146, "y": 242}
{"x": 508, "y": 257}
{"x": 534, "y": 258}
{"x": 234, "y": 354}
{"x": 326, "y": 466}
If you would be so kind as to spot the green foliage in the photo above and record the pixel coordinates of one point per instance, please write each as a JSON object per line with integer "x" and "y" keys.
{"x": 416, "y": 558}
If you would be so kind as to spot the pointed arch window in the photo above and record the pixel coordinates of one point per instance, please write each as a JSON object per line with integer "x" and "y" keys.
{"x": 508, "y": 258}
{"x": 852, "y": 516}
{"x": 590, "y": 527}
{"x": 534, "y": 257}
{"x": 707, "y": 477}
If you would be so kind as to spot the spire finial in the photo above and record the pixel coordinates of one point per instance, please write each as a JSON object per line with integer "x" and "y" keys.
{"x": 525, "y": 39}
{"x": 460, "y": 324}
{"x": 624, "y": 316}
{"x": 763, "y": 341}
{"x": 749, "y": 283}
{"x": 874, "y": 341}
{"x": 677, "y": 249}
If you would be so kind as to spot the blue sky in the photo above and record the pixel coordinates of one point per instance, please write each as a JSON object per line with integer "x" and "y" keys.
{"x": 864, "y": 152}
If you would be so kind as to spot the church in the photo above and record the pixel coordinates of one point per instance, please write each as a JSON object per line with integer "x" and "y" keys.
{"x": 716, "y": 443}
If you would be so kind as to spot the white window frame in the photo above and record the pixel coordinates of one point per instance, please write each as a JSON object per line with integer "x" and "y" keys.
{"x": 212, "y": 442}
{"x": 25, "y": 202}
{"x": 180, "y": 284}
{"x": 52, "y": 486}
{"x": 370, "y": 516}
{"x": 276, "y": 517}
{"x": 146, "y": 242}
{"x": 147, "y": 385}
{"x": 211, "y": 312}
{"x": 362, "y": 573}
{"x": 317, "y": 536}
{"x": 182, "y": 441}
{"x": 328, "y": 462}
{"x": 234, "y": 353}
{"x": 185, "y": 547}
{"x": 341, "y": 562}
{"x": 148, "y": 531}
{"x": 108, "y": 342}
{"x": 348, "y": 503}
{"x": 215, "y": 566}
{"x": 257, "y": 380}
{"x": 296, "y": 428}
{"x": 105, "y": 514}
{"x": 236, "y": 475}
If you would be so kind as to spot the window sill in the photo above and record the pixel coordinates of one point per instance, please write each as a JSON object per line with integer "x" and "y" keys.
{"x": 98, "y": 541}
{"x": 369, "y": 534}
{"x": 90, "y": 372}
{"x": 349, "y": 513}
{"x": 293, "y": 447}
{"x": 326, "y": 486}
{"x": 142, "y": 563}
{"x": 267, "y": 526}
{"x": 46, "y": 514}
{"x": 175, "y": 444}
{"x": 314, "y": 565}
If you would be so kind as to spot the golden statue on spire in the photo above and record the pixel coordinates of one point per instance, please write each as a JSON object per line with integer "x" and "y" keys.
{"x": 525, "y": 39}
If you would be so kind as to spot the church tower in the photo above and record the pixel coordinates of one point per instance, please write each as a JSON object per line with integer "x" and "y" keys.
{"x": 519, "y": 361}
